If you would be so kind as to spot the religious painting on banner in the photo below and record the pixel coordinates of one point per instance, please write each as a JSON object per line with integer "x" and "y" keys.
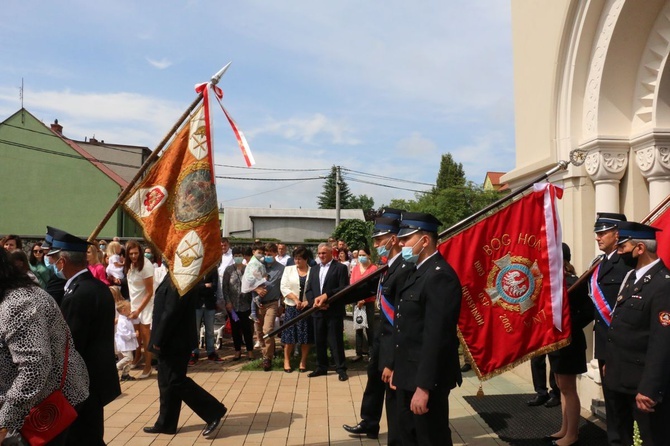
{"x": 176, "y": 205}
{"x": 510, "y": 265}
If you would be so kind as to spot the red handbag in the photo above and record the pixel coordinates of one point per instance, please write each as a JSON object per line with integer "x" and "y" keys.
{"x": 53, "y": 415}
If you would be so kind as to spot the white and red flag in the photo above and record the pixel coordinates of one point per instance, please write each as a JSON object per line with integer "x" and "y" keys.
{"x": 510, "y": 265}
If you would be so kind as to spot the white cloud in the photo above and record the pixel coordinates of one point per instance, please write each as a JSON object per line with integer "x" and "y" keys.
{"x": 416, "y": 145}
{"x": 309, "y": 130}
{"x": 160, "y": 64}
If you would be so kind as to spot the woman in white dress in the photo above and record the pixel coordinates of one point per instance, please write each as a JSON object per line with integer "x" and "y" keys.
{"x": 140, "y": 276}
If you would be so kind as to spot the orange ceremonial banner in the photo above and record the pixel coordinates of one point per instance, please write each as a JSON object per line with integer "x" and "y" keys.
{"x": 510, "y": 265}
{"x": 177, "y": 208}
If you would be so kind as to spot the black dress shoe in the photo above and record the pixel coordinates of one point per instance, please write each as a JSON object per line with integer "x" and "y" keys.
{"x": 538, "y": 400}
{"x": 214, "y": 424}
{"x": 159, "y": 430}
{"x": 576, "y": 443}
{"x": 551, "y": 438}
{"x": 316, "y": 373}
{"x": 343, "y": 376}
{"x": 362, "y": 428}
{"x": 466, "y": 367}
{"x": 553, "y": 402}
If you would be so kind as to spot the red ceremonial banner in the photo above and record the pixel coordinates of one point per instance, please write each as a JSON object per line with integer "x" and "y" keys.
{"x": 662, "y": 221}
{"x": 177, "y": 208}
{"x": 511, "y": 270}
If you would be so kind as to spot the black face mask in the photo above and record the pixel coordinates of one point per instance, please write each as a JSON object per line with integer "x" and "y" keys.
{"x": 628, "y": 259}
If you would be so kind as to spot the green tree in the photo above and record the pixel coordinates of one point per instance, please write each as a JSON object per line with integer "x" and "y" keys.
{"x": 451, "y": 173}
{"x": 356, "y": 233}
{"x": 361, "y": 202}
{"x": 327, "y": 199}
{"x": 453, "y": 199}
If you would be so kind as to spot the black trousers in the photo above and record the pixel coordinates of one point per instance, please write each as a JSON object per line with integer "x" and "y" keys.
{"x": 89, "y": 427}
{"x": 328, "y": 332}
{"x": 612, "y": 429}
{"x": 174, "y": 387}
{"x": 538, "y": 368}
{"x": 654, "y": 427}
{"x": 242, "y": 328}
{"x": 429, "y": 429}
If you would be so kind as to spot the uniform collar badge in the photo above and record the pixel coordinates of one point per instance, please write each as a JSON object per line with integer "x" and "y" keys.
{"x": 664, "y": 318}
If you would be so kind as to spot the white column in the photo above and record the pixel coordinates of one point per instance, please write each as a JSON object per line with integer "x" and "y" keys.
{"x": 606, "y": 164}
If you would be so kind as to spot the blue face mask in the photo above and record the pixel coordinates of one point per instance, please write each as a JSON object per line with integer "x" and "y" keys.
{"x": 148, "y": 255}
{"x": 408, "y": 253}
{"x": 238, "y": 260}
{"x": 383, "y": 250}
{"x": 58, "y": 272}
{"x": 363, "y": 259}
{"x": 269, "y": 259}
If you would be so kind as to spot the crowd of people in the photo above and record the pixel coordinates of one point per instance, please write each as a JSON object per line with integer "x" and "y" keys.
{"x": 100, "y": 300}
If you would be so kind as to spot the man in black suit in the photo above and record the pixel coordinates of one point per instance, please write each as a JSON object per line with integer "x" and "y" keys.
{"x": 324, "y": 280}
{"x": 88, "y": 309}
{"x": 426, "y": 365}
{"x": 604, "y": 287}
{"x": 173, "y": 337}
{"x": 638, "y": 341}
{"x": 380, "y": 367}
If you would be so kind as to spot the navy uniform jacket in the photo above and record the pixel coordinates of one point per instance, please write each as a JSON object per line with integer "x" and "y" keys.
{"x": 638, "y": 342}
{"x": 337, "y": 279}
{"x": 173, "y": 328}
{"x": 610, "y": 277}
{"x": 391, "y": 283}
{"x": 88, "y": 308}
{"x": 426, "y": 352}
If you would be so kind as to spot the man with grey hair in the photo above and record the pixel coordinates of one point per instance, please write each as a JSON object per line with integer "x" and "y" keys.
{"x": 638, "y": 341}
{"x": 88, "y": 309}
{"x": 325, "y": 280}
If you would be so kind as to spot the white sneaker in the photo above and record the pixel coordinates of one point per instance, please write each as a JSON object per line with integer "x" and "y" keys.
{"x": 257, "y": 344}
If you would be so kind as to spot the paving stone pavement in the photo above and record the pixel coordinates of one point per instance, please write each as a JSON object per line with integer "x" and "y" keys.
{"x": 288, "y": 409}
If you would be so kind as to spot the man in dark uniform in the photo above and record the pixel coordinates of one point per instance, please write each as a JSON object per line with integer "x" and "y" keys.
{"x": 55, "y": 285}
{"x": 173, "y": 337}
{"x": 426, "y": 365}
{"x": 88, "y": 309}
{"x": 604, "y": 287}
{"x": 637, "y": 368}
{"x": 386, "y": 242}
{"x": 323, "y": 281}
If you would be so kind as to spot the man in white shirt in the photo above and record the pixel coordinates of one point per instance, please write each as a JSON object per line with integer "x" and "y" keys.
{"x": 282, "y": 257}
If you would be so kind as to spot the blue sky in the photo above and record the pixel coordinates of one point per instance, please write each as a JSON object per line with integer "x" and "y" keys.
{"x": 378, "y": 87}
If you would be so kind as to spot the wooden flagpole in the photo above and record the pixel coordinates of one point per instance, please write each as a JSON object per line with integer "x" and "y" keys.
{"x": 150, "y": 160}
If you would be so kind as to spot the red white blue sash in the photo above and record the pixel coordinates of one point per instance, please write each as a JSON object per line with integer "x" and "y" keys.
{"x": 598, "y": 298}
{"x": 384, "y": 305}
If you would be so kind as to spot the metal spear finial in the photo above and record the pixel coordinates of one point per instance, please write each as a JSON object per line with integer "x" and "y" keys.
{"x": 217, "y": 77}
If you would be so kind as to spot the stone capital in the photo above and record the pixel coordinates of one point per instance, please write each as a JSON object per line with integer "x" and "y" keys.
{"x": 606, "y": 161}
{"x": 652, "y": 156}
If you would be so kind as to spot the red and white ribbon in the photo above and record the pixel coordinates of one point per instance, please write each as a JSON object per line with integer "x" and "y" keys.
{"x": 241, "y": 140}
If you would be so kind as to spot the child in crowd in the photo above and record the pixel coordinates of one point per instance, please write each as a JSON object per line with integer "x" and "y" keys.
{"x": 125, "y": 340}
{"x": 115, "y": 267}
{"x": 254, "y": 276}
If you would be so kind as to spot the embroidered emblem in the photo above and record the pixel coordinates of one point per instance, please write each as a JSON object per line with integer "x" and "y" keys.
{"x": 195, "y": 200}
{"x": 514, "y": 283}
{"x": 647, "y": 278}
{"x": 664, "y": 318}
